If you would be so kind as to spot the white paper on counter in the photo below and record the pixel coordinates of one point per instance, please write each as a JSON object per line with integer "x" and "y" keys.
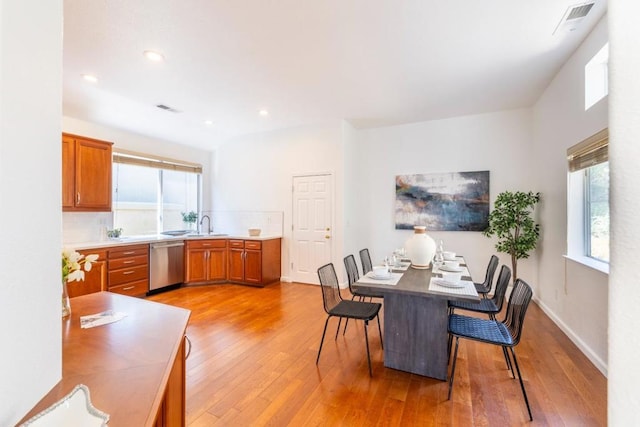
{"x": 102, "y": 318}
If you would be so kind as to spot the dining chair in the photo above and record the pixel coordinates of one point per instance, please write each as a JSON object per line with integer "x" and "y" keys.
{"x": 352, "y": 277}
{"x": 484, "y": 288}
{"x": 365, "y": 259}
{"x": 490, "y": 306}
{"x": 505, "y": 334}
{"x": 335, "y": 306}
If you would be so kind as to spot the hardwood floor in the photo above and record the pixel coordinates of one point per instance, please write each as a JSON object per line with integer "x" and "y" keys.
{"x": 253, "y": 363}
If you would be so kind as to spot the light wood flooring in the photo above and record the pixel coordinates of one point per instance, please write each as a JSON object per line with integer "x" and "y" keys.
{"x": 253, "y": 363}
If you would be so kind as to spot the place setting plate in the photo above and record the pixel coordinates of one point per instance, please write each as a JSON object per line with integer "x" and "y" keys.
{"x": 451, "y": 269}
{"x": 371, "y": 275}
{"x": 448, "y": 284}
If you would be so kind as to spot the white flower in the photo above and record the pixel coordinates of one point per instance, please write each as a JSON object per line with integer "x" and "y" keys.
{"x": 72, "y": 263}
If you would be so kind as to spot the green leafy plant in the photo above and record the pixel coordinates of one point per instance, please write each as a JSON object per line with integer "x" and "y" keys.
{"x": 189, "y": 217}
{"x": 511, "y": 221}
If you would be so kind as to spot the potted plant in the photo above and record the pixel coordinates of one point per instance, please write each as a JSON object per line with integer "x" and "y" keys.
{"x": 189, "y": 218}
{"x": 511, "y": 221}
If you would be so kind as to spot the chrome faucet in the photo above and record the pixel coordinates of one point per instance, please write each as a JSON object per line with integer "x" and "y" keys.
{"x": 209, "y": 230}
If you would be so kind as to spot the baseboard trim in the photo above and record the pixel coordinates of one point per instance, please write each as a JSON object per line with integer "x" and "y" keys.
{"x": 591, "y": 355}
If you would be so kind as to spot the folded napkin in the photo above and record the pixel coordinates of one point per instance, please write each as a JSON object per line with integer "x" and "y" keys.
{"x": 98, "y": 319}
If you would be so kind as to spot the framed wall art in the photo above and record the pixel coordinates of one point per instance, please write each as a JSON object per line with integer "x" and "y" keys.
{"x": 454, "y": 201}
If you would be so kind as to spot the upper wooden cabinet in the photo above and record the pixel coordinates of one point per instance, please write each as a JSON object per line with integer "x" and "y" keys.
{"x": 86, "y": 174}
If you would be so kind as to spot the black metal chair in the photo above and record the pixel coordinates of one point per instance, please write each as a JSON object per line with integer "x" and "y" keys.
{"x": 506, "y": 334}
{"x": 484, "y": 288}
{"x": 352, "y": 277}
{"x": 335, "y": 306}
{"x": 365, "y": 259}
{"x": 490, "y": 306}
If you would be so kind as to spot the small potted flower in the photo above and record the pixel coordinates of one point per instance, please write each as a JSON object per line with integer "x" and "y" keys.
{"x": 74, "y": 265}
{"x": 189, "y": 219}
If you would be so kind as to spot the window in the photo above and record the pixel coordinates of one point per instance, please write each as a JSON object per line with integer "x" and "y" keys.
{"x": 596, "y": 77}
{"x": 588, "y": 200}
{"x": 150, "y": 193}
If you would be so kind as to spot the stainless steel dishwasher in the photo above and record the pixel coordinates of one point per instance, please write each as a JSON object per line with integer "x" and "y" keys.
{"x": 166, "y": 264}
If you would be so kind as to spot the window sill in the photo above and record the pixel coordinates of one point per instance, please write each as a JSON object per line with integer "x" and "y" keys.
{"x": 603, "y": 267}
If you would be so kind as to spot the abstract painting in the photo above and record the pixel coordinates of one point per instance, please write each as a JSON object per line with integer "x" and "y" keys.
{"x": 455, "y": 201}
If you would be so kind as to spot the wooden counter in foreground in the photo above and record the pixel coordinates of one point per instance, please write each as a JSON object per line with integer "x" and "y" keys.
{"x": 134, "y": 368}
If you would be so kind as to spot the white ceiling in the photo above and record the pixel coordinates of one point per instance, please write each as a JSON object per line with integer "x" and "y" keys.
{"x": 371, "y": 62}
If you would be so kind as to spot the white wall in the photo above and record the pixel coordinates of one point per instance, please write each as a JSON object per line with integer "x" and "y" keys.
{"x": 254, "y": 173}
{"x": 573, "y": 295}
{"x": 88, "y": 226}
{"x": 30, "y": 188}
{"x": 499, "y": 142}
{"x": 624, "y": 151}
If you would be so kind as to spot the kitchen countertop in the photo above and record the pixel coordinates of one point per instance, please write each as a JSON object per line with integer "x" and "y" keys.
{"x": 137, "y": 240}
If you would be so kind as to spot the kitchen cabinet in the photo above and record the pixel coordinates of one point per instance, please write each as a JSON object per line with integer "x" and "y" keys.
{"x": 94, "y": 280}
{"x": 86, "y": 174}
{"x": 129, "y": 270}
{"x": 206, "y": 260}
{"x": 254, "y": 262}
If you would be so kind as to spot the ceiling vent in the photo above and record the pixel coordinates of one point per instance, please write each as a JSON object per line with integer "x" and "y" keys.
{"x": 572, "y": 17}
{"x": 167, "y": 108}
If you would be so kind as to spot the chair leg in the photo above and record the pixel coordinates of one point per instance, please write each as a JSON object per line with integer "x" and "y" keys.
{"x": 453, "y": 369}
{"x": 524, "y": 393}
{"x": 322, "y": 340}
{"x": 449, "y": 348}
{"x": 338, "y": 328}
{"x": 366, "y": 340}
{"x": 346, "y": 322}
{"x": 380, "y": 332}
{"x": 508, "y": 360}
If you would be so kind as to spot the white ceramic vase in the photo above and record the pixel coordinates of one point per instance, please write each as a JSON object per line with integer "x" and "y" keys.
{"x": 420, "y": 247}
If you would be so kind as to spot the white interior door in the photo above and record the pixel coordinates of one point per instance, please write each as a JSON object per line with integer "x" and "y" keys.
{"x": 312, "y": 226}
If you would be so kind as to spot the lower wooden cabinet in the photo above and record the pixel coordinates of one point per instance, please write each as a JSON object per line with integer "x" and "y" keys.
{"x": 129, "y": 270}
{"x": 254, "y": 262}
{"x": 206, "y": 261}
{"x": 94, "y": 280}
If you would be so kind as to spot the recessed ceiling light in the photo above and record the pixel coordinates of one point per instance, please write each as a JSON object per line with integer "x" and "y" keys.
{"x": 90, "y": 78}
{"x": 152, "y": 55}
{"x": 208, "y": 122}
{"x": 264, "y": 113}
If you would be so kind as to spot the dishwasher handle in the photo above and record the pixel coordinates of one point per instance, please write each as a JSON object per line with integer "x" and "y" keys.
{"x": 166, "y": 245}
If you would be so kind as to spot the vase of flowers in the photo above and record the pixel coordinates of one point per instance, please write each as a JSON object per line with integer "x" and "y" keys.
{"x": 74, "y": 265}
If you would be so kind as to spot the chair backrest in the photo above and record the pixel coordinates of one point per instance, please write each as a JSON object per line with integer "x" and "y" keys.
{"x": 330, "y": 287}
{"x": 491, "y": 271}
{"x": 352, "y": 270}
{"x": 365, "y": 259}
{"x": 501, "y": 286}
{"x": 517, "y": 308}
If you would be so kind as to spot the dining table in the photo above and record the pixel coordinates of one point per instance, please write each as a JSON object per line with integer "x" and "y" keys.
{"x": 416, "y": 315}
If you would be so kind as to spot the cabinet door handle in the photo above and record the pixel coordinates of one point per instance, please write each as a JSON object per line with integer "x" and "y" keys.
{"x": 77, "y": 198}
{"x": 128, "y": 288}
{"x": 128, "y": 272}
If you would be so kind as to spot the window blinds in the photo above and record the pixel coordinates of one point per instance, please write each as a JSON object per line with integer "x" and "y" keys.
{"x": 132, "y": 158}
{"x": 590, "y": 152}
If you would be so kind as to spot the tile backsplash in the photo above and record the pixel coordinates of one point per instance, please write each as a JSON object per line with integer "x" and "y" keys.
{"x": 82, "y": 227}
{"x": 238, "y": 222}
{"x": 79, "y": 227}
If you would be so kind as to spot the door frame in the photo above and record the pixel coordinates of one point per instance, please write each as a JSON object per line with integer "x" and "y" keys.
{"x": 332, "y": 215}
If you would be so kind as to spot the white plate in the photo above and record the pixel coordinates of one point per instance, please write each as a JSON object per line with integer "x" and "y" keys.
{"x": 75, "y": 409}
{"x": 448, "y": 284}
{"x": 451, "y": 269}
{"x": 373, "y": 276}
